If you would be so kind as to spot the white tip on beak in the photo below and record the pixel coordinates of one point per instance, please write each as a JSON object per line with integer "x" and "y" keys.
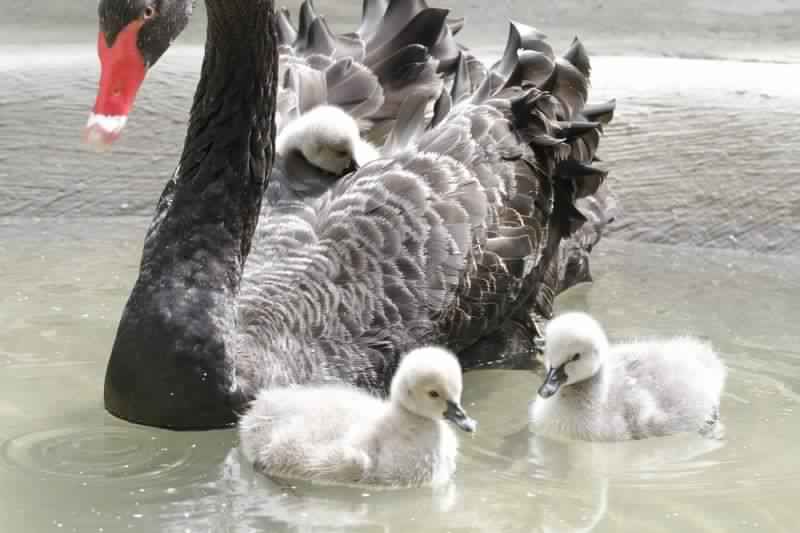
{"x": 102, "y": 130}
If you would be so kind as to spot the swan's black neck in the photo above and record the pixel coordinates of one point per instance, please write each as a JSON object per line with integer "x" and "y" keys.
{"x": 228, "y": 146}
{"x": 171, "y": 364}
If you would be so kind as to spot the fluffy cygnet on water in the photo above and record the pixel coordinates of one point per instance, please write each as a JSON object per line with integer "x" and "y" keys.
{"x": 328, "y": 138}
{"x": 340, "y": 434}
{"x": 594, "y": 391}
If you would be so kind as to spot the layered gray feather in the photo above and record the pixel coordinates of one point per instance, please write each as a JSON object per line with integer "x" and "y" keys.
{"x": 471, "y": 223}
{"x": 400, "y": 47}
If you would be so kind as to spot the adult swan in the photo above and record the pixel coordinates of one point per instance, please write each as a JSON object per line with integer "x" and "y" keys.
{"x": 452, "y": 240}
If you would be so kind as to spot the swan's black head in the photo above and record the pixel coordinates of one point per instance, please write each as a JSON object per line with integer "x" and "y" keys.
{"x": 133, "y": 35}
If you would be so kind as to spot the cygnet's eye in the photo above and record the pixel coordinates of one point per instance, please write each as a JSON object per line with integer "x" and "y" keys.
{"x": 433, "y": 394}
{"x": 148, "y": 13}
{"x": 575, "y": 357}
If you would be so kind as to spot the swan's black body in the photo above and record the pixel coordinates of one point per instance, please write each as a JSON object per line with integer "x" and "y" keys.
{"x": 168, "y": 365}
{"x": 463, "y": 237}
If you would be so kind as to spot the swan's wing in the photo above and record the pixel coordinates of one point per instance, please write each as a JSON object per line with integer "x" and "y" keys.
{"x": 441, "y": 243}
{"x": 468, "y": 75}
{"x": 400, "y": 47}
{"x": 578, "y": 127}
{"x": 411, "y": 123}
{"x": 564, "y": 134}
{"x": 471, "y": 224}
{"x": 310, "y": 81}
{"x": 570, "y": 265}
{"x": 294, "y": 178}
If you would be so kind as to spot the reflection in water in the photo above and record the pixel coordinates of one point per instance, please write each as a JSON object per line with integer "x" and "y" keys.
{"x": 302, "y": 507}
{"x": 66, "y": 465}
{"x": 593, "y": 466}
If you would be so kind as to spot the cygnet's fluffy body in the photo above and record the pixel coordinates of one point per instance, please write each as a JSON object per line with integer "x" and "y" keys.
{"x": 594, "y": 391}
{"x": 327, "y": 138}
{"x": 340, "y": 434}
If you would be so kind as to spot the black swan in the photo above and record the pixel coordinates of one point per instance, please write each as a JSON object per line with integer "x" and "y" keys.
{"x": 462, "y": 237}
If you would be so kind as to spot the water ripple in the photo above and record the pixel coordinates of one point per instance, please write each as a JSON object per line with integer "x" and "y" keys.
{"x": 94, "y": 453}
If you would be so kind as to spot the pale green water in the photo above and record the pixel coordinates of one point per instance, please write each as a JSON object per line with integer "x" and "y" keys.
{"x": 701, "y": 153}
{"x": 66, "y": 465}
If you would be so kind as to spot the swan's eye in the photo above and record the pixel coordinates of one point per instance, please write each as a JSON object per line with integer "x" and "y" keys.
{"x": 149, "y": 12}
{"x": 575, "y": 357}
{"x": 433, "y": 394}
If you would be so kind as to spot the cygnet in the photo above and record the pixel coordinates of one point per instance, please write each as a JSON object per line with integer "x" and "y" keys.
{"x": 594, "y": 391}
{"x": 340, "y": 434}
{"x": 327, "y": 138}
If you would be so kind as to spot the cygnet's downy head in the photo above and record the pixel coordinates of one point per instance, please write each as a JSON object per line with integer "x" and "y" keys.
{"x": 428, "y": 383}
{"x": 327, "y": 138}
{"x": 575, "y": 349}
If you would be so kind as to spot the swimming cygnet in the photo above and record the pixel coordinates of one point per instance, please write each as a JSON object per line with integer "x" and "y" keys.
{"x": 327, "y": 138}
{"x": 341, "y": 434}
{"x": 635, "y": 390}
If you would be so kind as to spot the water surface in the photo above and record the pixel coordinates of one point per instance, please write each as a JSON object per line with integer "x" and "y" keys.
{"x": 704, "y": 162}
{"x": 701, "y": 152}
{"x": 67, "y": 465}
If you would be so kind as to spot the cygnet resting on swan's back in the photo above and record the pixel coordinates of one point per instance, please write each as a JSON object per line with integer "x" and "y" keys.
{"x": 634, "y": 390}
{"x": 341, "y": 434}
{"x": 313, "y": 151}
{"x": 459, "y": 235}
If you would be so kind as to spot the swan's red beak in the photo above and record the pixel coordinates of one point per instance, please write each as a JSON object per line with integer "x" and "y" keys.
{"x": 122, "y": 70}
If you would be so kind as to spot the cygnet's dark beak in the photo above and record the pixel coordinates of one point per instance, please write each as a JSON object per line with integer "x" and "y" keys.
{"x": 552, "y": 381}
{"x": 352, "y": 167}
{"x": 457, "y": 416}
